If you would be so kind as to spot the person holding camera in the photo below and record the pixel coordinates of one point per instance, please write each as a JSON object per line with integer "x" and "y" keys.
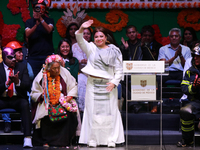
{"x": 39, "y": 31}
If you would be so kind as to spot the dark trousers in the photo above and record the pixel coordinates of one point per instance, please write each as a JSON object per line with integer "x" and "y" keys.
{"x": 20, "y": 105}
{"x": 187, "y": 120}
{"x": 173, "y": 75}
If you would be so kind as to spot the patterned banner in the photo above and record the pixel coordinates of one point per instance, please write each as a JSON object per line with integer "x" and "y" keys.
{"x": 126, "y": 4}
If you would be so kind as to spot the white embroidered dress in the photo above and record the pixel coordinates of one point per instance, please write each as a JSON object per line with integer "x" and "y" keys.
{"x": 102, "y": 120}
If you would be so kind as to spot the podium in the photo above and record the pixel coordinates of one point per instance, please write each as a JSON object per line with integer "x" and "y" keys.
{"x": 143, "y": 90}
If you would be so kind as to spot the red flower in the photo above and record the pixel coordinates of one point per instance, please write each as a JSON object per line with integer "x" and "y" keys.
{"x": 60, "y": 110}
{"x": 17, "y": 6}
{"x": 54, "y": 111}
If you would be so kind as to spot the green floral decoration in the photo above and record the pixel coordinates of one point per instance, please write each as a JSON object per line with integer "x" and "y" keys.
{"x": 20, "y": 34}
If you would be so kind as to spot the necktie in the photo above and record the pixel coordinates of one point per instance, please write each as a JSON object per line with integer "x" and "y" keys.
{"x": 10, "y": 88}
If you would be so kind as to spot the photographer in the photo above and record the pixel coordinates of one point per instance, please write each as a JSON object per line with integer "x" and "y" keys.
{"x": 39, "y": 31}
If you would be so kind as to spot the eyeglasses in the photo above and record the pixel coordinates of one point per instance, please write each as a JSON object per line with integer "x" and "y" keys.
{"x": 39, "y": 9}
{"x": 10, "y": 57}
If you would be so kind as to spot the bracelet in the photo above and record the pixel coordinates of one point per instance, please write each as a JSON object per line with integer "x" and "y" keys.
{"x": 42, "y": 21}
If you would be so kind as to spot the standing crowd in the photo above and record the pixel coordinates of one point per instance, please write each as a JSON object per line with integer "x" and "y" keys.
{"x": 72, "y": 97}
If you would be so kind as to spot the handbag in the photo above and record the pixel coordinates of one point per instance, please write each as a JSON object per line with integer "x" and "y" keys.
{"x": 57, "y": 113}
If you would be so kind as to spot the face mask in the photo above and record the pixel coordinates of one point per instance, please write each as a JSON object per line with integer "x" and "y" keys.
{"x": 40, "y": 9}
{"x": 10, "y": 57}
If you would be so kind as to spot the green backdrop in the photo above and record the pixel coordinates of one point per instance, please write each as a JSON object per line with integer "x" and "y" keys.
{"x": 164, "y": 18}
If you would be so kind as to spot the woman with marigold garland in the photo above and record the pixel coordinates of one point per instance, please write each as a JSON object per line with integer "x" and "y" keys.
{"x": 52, "y": 86}
{"x": 102, "y": 124}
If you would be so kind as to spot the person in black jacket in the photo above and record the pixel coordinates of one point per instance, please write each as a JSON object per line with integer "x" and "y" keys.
{"x": 134, "y": 49}
{"x": 131, "y": 50}
{"x": 14, "y": 83}
{"x": 191, "y": 87}
{"x": 150, "y": 47}
{"x": 39, "y": 31}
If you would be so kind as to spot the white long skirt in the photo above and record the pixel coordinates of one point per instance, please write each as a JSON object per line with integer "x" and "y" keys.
{"x": 102, "y": 121}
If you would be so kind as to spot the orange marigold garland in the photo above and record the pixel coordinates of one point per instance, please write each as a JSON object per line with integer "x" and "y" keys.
{"x": 113, "y": 27}
{"x": 53, "y": 89}
{"x": 112, "y": 17}
{"x": 189, "y": 18}
{"x": 61, "y": 28}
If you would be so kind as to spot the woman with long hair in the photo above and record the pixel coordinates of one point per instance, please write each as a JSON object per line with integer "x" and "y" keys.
{"x": 70, "y": 33}
{"x": 71, "y": 63}
{"x": 189, "y": 37}
{"x": 102, "y": 124}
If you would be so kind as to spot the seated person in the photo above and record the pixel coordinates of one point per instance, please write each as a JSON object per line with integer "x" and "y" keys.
{"x": 147, "y": 39}
{"x": 19, "y": 58}
{"x": 174, "y": 54}
{"x": 188, "y": 64}
{"x": 189, "y": 37}
{"x": 130, "y": 51}
{"x": 150, "y": 51}
{"x": 71, "y": 63}
{"x": 191, "y": 87}
{"x": 134, "y": 49}
{"x": 61, "y": 85}
{"x": 129, "y": 47}
{"x": 14, "y": 83}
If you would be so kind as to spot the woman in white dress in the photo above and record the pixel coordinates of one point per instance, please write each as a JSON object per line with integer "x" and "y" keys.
{"x": 102, "y": 124}
{"x": 82, "y": 78}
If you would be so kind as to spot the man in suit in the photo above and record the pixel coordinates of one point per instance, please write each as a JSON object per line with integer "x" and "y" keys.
{"x": 14, "y": 83}
{"x": 152, "y": 46}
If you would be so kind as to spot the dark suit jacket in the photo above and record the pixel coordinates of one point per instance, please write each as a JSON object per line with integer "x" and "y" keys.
{"x": 156, "y": 46}
{"x": 23, "y": 76}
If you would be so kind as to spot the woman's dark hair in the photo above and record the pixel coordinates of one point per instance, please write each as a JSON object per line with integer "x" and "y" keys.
{"x": 67, "y": 32}
{"x": 194, "y": 36}
{"x": 107, "y": 33}
{"x": 70, "y": 54}
{"x": 193, "y": 32}
{"x": 90, "y": 34}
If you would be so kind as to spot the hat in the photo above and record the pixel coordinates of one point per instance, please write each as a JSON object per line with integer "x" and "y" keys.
{"x": 73, "y": 16}
{"x": 196, "y": 49}
{"x": 46, "y": 3}
{"x": 14, "y": 45}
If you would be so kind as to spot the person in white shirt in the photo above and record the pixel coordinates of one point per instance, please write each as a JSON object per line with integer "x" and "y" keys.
{"x": 174, "y": 54}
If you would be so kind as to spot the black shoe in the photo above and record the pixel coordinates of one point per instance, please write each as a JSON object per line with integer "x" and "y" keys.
{"x": 7, "y": 128}
{"x": 183, "y": 144}
{"x": 75, "y": 141}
